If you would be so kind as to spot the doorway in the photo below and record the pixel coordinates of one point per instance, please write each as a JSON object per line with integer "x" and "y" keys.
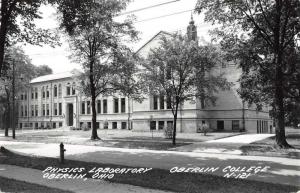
{"x": 220, "y": 125}
{"x": 70, "y": 114}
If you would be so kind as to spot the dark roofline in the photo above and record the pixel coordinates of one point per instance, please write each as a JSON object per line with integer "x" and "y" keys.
{"x": 160, "y": 32}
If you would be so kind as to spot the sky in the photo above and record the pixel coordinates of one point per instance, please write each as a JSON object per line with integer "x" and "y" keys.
{"x": 58, "y": 58}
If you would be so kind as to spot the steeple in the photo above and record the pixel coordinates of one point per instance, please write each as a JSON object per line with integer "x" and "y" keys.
{"x": 192, "y": 30}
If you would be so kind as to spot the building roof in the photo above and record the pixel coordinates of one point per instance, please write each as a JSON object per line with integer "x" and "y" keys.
{"x": 159, "y": 33}
{"x": 56, "y": 76}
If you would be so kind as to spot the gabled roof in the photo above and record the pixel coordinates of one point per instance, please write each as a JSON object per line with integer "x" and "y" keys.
{"x": 56, "y": 76}
{"x": 159, "y": 33}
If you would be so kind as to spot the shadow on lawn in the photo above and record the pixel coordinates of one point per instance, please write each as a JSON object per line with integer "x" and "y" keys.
{"x": 162, "y": 178}
{"x": 268, "y": 147}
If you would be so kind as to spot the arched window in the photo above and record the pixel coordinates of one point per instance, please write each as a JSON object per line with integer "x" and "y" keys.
{"x": 73, "y": 88}
{"x": 59, "y": 90}
{"x": 68, "y": 89}
{"x": 55, "y": 91}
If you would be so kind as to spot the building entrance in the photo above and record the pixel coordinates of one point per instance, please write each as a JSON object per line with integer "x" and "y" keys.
{"x": 70, "y": 114}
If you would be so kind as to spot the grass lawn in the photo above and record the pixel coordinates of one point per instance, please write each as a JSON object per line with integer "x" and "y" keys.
{"x": 10, "y": 185}
{"x": 156, "y": 178}
{"x": 267, "y": 147}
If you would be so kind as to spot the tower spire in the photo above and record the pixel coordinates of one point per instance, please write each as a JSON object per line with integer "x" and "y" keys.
{"x": 192, "y": 19}
{"x": 192, "y": 29}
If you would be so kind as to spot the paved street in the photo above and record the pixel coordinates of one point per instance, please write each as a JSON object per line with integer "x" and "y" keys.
{"x": 282, "y": 170}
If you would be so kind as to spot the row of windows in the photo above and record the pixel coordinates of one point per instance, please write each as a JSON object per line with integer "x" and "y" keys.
{"x": 45, "y": 110}
{"x": 41, "y": 125}
{"x": 106, "y": 125}
{"x": 101, "y": 106}
{"x": 45, "y": 92}
{"x": 159, "y": 102}
{"x": 262, "y": 126}
{"x": 160, "y": 125}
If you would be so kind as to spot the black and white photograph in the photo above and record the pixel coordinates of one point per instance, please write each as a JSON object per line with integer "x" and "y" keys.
{"x": 150, "y": 96}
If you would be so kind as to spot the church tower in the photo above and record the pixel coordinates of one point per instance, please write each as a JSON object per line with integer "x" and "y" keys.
{"x": 192, "y": 30}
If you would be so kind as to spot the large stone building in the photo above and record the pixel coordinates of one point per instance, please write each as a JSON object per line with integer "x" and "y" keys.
{"x": 53, "y": 101}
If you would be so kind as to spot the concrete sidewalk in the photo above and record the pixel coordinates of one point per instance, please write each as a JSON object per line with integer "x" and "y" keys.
{"x": 226, "y": 145}
{"x": 242, "y": 139}
{"x": 75, "y": 185}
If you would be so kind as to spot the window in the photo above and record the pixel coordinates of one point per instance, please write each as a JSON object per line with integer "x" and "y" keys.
{"x": 153, "y": 125}
{"x": 43, "y": 110}
{"x": 55, "y": 91}
{"x": 123, "y": 105}
{"x": 89, "y": 125}
{"x": 25, "y": 96}
{"x": 235, "y": 125}
{"x": 21, "y": 112}
{"x": 54, "y": 125}
{"x": 32, "y": 110}
{"x": 168, "y": 72}
{"x": 161, "y": 125}
{"x": 88, "y": 103}
{"x": 47, "y": 90}
{"x": 105, "y": 125}
{"x": 48, "y": 111}
{"x": 60, "y": 124}
{"x": 99, "y": 106}
{"x": 32, "y": 93}
{"x": 97, "y": 125}
{"x": 162, "y": 102}
{"x": 116, "y": 105}
{"x": 68, "y": 89}
{"x": 170, "y": 124}
{"x": 55, "y": 108}
{"x": 155, "y": 103}
{"x": 43, "y": 92}
{"x": 25, "y": 108}
{"x": 59, "y": 90}
{"x": 36, "y": 110}
{"x": 36, "y": 125}
{"x": 36, "y": 93}
{"x": 169, "y": 102}
{"x": 22, "y": 98}
{"x": 124, "y": 125}
{"x": 82, "y": 108}
{"x": 223, "y": 65}
{"x": 105, "y": 106}
{"x": 114, "y": 125}
{"x": 73, "y": 88}
{"x": 59, "y": 108}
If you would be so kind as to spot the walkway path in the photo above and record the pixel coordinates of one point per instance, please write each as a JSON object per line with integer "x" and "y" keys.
{"x": 244, "y": 139}
{"x": 226, "y": 145}
{"x": 75, "y": 185}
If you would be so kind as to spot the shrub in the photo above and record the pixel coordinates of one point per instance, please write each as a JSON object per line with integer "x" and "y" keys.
{"x": 168, "y": 132}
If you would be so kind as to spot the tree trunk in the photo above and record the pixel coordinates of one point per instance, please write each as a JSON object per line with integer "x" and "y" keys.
{"x": 3, "y": 32}
{"x": 174, "y": 125}
{"x": 93, "y": 96}
{"x": 128, "y": 124}
{"x": 279, "y": 111}
{"x": 279, "y": 95}
{"x": 7, "y": 118}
